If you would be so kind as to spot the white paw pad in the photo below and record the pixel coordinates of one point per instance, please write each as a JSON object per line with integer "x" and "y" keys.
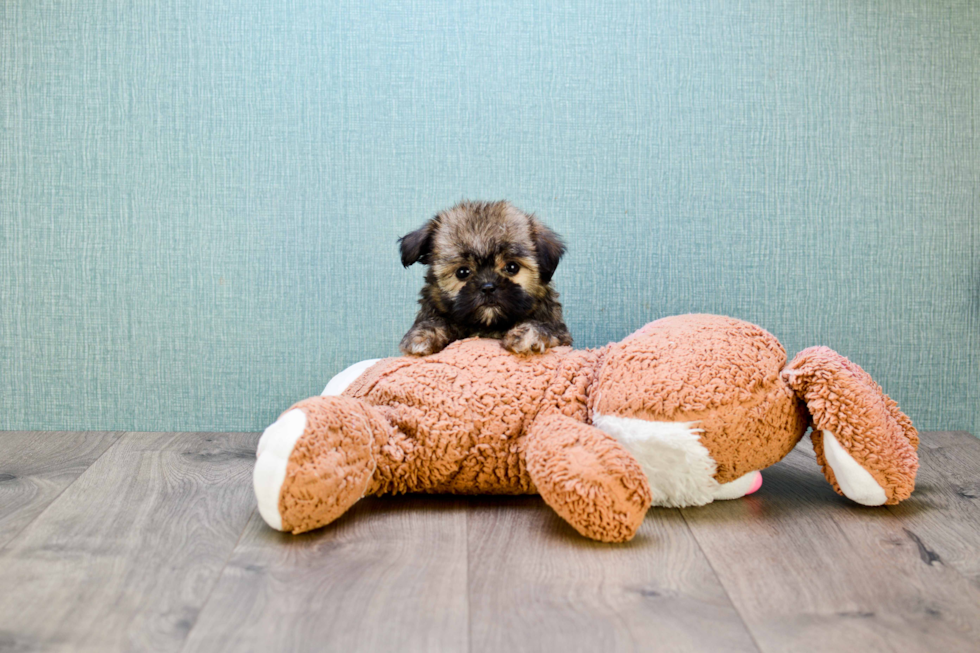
{"x": 343, "y": 379}
{"x": 741, "y": 486}
{"x": 275, "y": 447}
{"x": 855, "y": 481}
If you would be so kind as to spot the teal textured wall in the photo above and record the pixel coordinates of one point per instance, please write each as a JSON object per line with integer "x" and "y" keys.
{"x": 199, "y": 201}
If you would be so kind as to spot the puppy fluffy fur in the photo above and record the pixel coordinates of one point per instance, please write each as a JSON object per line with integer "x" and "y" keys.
{"x": 489, "y": 275}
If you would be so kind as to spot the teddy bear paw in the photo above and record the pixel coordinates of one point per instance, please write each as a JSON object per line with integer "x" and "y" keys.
{"x": 740, "y": 487}
{"x": 272, "y": 456}
{"x": 855, "y": 482}
{"x": 342, "y": 380}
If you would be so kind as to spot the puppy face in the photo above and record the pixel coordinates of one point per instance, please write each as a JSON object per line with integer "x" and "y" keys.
{"x": 489, "y": 262}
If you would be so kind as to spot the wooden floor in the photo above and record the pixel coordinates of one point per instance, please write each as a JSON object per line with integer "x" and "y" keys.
{"x": 151, "y": 541}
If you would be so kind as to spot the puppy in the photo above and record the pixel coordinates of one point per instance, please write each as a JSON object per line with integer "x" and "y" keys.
{"x": 490, "y": 267}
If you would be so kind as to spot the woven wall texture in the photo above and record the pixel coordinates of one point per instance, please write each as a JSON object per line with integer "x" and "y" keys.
{"x": 199, "y": 201}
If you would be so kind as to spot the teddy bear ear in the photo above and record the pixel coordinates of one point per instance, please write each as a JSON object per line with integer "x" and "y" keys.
{"x": 549, "y": 249}
{"x": 416, "y": 247}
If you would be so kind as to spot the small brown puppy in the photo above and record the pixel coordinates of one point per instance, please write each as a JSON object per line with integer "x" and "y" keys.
{"x": 490, "y": 267}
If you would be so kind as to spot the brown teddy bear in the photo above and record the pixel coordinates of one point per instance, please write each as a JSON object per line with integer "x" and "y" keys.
{"x": 684, "y": 411}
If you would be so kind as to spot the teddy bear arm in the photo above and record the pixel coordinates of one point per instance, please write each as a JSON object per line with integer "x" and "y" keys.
{"x": 587, "y": 477}
{"x": 317, "y": 460}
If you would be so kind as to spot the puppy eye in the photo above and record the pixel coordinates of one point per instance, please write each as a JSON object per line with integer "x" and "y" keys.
{"x": 512, "y": 268}
{"x": 462, "y": 273}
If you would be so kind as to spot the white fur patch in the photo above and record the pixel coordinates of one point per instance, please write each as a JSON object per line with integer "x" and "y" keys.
{"x": 855, "y": 481}
{"x": 489, "y": 313}
{"x": 531, "y": 341}
{"x": 738, "y": 488}
{"x": 678, "y": 467}
{"x": 275, "y": 447}
{"x": 342, "y": 380}
{"x": 419, "y": 348}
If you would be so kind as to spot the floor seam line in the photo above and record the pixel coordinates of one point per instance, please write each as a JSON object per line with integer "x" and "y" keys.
{"x": 217, "y": 579}
{"x": 469, "y": 613}
{"x": 721, "y": 582}
{"x": 5, "y": 545}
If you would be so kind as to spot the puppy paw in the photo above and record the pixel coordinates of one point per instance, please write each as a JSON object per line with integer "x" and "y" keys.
{"x": 422, "y": 341}
{"x": 528, "y": 338}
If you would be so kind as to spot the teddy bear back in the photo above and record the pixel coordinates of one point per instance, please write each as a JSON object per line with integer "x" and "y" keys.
{"x": 718, "y": 373}
{"x": 465, "y": 409}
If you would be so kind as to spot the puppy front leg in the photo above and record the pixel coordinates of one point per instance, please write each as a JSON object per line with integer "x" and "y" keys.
{"x": 535, "y": 336}
{"x": 428, "y": 335}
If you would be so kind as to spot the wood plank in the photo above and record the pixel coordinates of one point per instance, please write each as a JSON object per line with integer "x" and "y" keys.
{"x": 127, "y": 555}
{"x": 940, "y": 439}
{"x": 36, "y": 466}
{"x": 388, "y": 576}
{"x": 944, "y": 510}
{"x": 537, "y": 585}
{"x": 810, "y": 571}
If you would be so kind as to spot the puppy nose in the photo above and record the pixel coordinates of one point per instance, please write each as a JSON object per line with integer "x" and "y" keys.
{"x": 488, "y": 288}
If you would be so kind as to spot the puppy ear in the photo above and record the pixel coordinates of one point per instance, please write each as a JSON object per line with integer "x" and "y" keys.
{"x": 550, "y": 249}
{"x": 416, "y": 247}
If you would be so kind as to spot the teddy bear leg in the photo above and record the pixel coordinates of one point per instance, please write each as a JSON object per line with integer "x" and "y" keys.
{"x": 316, "y": 461}
{"x": 342, "y": 380}
{"x": 740, "y": 487}
{"x": 587, "y": 477}
{"x": 845, "y": 473}
{"x": 864, "y": 444}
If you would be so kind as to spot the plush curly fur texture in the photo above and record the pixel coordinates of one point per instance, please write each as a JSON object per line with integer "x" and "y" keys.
{"x": 476, "y": 419}
{"x": 845, "y": 400}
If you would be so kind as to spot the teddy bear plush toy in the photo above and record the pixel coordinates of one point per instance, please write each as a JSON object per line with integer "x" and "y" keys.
{"x": 683, "y": 412}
